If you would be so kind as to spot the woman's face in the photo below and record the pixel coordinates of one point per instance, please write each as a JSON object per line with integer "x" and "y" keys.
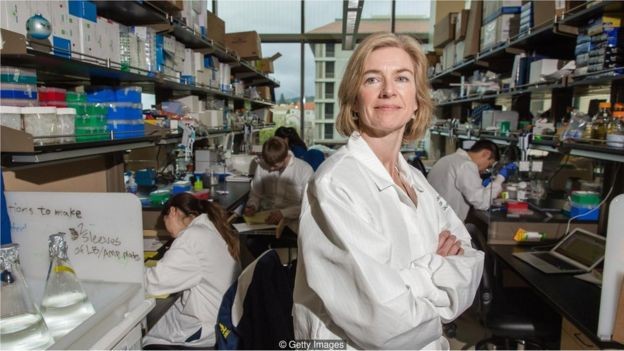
{"x": 387, "y": 96}
{"x": 174, "y": 222}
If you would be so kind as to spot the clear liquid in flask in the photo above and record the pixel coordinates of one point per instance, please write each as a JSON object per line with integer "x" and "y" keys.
{"x": 66, "y": 311}
{"x": 24, "y": 332}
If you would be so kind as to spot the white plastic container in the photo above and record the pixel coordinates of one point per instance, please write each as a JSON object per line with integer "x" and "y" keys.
{"x": 10, "y": 116}
{"x": 41, "y": 123}
{"x": 66, "y": 124}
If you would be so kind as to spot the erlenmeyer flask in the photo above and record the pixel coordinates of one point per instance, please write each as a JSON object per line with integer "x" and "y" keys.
{"x": 65, "y": 304}
{"x": 21, "y": 324}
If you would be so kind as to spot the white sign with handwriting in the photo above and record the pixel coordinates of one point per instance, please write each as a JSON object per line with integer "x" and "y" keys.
{"x": 104, "y": 233}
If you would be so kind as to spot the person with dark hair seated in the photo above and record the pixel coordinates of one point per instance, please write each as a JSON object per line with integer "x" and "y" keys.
{"x": 202, "y": 262}
{"x": 278, "y": 186}
{"x": 457, "y": 179}
{"x": 299, "y": 148}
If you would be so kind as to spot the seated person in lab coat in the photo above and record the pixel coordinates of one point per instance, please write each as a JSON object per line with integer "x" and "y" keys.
{"x": 277, "y": 186}
{"x": 298, "y": 147}
{"x": 202, "y": 263}
{"x": 457, "y": 177}
{"x": 383, "y": 261}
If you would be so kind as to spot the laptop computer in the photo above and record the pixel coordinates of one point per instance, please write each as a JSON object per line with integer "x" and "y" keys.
{"x": 580, "y": 251}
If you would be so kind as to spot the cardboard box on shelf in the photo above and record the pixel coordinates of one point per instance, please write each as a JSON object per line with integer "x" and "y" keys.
{"x": 215, "y": 28}
{"x": 265, "y": 65}
{"x": 462, "y": 25}
{"x": 448, "y": 57}
{"x": 171, "y": 7}
{"x": 473, "y": 29}
{"x": 432, "y": 58}
{"x": 496, "y": 31}
{"x": 444, "y": 31}
{"x": 264, "y": 92}
{"x": 542, "y": 12}
{"x": 495, "y": 8}
{"x": 459, "y": 52}
{"x": 14, "y": 14}
{"x": 563, "y": 6}
{"x": 246, "y": 44}
{"x": 543, "y": 67}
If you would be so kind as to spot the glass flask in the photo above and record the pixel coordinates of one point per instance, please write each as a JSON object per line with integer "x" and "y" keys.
{"x": 21, "y": 325}
{"x": 65, "y": 304}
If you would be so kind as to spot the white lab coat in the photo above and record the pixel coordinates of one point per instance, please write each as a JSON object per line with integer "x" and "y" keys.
{"x": 283, "y": 191}
{"x": 367, "y": 268}
{"x": 456, "y": 178}
{"x": 198, "y": 263}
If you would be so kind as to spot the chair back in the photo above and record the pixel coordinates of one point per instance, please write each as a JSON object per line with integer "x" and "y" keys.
{"x": 255, "y": 312}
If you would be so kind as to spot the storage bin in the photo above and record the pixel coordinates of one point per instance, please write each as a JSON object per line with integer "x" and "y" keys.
{"x": 101, "y": 94}
{"x": 180, "y": 187}
{"x": 583, "y": 211}
{"x": 51, "y": 94}
{"x": 159, "y": 197}
{"x": 10, "y": 116}
{"x": 73, "y": 96}
{"x": 125, "y": 110}
{"x": 10, "y": 74}
{"x": 41, "y": 123}
{"x": 123, "y": 129}
{"x": 67, "y": 124}
{"x": 128, "y": 94}
{"x": 98, "y": 133}
{"x": 13, "y": 91}
{"x": 97, "y": 109}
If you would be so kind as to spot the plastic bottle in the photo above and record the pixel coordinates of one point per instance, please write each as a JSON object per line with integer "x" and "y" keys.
{"x": 615, "y": 133}
{"x": 21, "y": 325}
{"x": 600, "y": 121}
{"x": 65, "y": 304}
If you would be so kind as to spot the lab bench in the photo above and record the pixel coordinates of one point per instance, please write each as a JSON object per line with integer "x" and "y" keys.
{"x": 577, "y": 301}
{"x": 500, "y": 229}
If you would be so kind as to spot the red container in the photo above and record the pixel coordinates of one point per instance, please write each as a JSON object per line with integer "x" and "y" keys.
{"x": 52, "y": 96}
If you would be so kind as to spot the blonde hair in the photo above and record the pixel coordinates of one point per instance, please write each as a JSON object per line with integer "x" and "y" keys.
{"x": 353, "y": 76}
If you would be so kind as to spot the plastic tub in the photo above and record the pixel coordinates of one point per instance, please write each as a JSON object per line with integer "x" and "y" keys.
{"x": 585, "y": 198}
{"x": 125, "y": 110}
{"x": 97, "y": 109}
{"x": 91, "y": 134}
{"x": 180, "y": 187}
{"x": 41, "y": 123}
{"x": 19, "y": 102}
{"x": 80, "y": 107}
{"x": 10, "y": 116}
{"x": 90, "y": 121}
{"x": 101, "y": 94}
{"x": 159, "y": 197}
{"x": 10, "y": 74}
{"x": 72, "y": 96}
{"x": 123, "y": 129}
{"x": 128, "y": 94}
{"x": 584, "y": 213}
{"x": 67, "y": 124}
{"x": 52, "y": 94}
{"x": 18, "y": 91}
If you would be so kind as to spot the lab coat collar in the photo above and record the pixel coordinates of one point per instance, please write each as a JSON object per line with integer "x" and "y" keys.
{"x": 363, "y": 153}
{"x": 461, "y": 152}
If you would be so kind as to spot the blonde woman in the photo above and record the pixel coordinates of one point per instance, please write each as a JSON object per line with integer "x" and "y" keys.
{"x": 383, "y": 260}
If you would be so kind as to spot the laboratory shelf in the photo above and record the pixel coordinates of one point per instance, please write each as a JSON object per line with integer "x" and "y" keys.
{"x": 579, "y": 16}
{"x": 130, "y": 13}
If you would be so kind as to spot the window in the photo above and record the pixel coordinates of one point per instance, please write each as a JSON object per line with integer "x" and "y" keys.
{"x": 329, "y": 90}
{"x": 329, "y": 111}
{"x": 329, "y": 131}
{"x": 329, "y": 69}
{"x": 330, "y": 50}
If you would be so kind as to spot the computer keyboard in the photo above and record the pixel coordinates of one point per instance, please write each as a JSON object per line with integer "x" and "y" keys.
{"x": 554, "y": 260}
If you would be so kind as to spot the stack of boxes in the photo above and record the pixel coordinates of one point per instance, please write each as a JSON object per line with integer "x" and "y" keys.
{"x": 606, "y": 40}
{"x": 18, "y": 86}
{"x": 497, "y": 21}
{"x": 82, "y": 28}
{"x": 444, "y": 36}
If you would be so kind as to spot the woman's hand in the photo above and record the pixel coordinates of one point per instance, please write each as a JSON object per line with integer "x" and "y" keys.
{"x": 274, "y": 217}
{"x": 448, "y": 245}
